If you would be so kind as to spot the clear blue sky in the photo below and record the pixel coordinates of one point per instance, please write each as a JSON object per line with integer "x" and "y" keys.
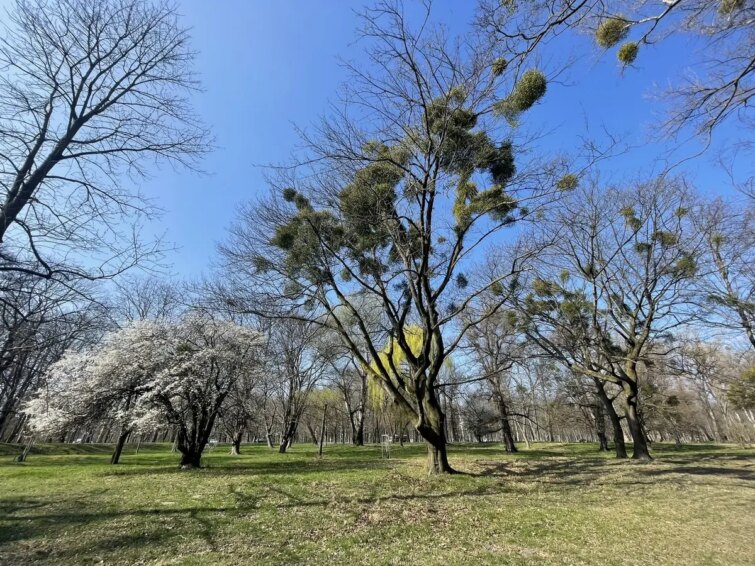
{"x": 267, "y": 65}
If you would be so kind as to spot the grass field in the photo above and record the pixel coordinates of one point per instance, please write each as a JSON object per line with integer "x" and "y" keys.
{"x": 553, "y": 504}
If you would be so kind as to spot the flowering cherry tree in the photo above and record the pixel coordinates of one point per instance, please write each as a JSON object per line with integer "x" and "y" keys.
{"x": 104, "y": 384}
{"x": 146, "y": 375}
{"x": 207, "y": 358}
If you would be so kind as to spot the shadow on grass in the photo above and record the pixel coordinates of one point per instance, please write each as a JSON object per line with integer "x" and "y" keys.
{"x": 157, "y": 530}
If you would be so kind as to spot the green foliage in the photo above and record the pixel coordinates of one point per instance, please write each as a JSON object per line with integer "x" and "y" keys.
{"x": 628, "y": 52}
{"x": 685, "y": 266}
{"x": 544, "y": 288}
{"x": 611, "y": 31}
{"x": 370, "y": 200}
{"x": 261, "y": 263}
{"x": 493, "y": 202}
{"x": 742, "y": 391}
{"x": 303, "y": 237}
{"x": 665, "y": 239}
{"x": 630, "y": 217}
{"x": 499, "y": 66}
{"x": 568, "y": 182}
{"x": 500, "y": 163}
{"x": 528, "y": 90}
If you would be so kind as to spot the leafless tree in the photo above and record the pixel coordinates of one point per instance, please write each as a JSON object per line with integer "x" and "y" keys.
{"x": 91, "y": 94}
{"x": 147, "y": 298}
{"x": 39, "y": 320}
{"x": 727, "y": 283}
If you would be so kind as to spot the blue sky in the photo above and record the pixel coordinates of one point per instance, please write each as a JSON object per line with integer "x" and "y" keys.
{"x": 268, "y": 65}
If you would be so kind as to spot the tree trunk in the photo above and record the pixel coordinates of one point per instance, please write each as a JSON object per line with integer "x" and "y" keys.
{"x": 322, "y": 431}
{"x": 287, "y": 437}
{"x": 640, "y": 448}
{"x": 190, "y": 459}
{"x": 431, "y": 427}
{"x": 600, "y": 425}
{"x": 358, "y": 436}
{"x": 236, "y": 445}
{"x": 618, "y": 432}
{"x": 312, "y": 434}
{"x": 508, "y": 435}
{"x": 115, "y": 458}
{"x": 22, "y": 457}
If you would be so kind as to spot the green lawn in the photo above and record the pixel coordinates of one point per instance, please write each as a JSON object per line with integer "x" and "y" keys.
{"x": 554, "y": 504}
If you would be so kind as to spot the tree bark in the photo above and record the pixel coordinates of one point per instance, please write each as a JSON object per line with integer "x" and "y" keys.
{"x": 508, "y": 435}
{"x": 640, "y": 449}
{"x": 431, "y": 427}
{"x": 322, "y": 431}
{"x": 287, "y": 437}
{"x": 236, "y": 444}
{"x": 618, "y": 432}
{"x": 600, "y": 426}
{"x": 190, "y": 459}
{"x": 115, "y": 458}
{"x": 22, "y": 457}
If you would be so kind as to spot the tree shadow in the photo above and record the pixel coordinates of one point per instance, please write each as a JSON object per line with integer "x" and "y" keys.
{"x": 266, "y": 468}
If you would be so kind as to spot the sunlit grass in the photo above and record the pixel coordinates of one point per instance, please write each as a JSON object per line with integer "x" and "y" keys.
{"x": 554, "y": 504}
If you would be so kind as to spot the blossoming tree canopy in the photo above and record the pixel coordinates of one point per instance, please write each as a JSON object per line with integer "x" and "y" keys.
{"x": 145, "y": 375}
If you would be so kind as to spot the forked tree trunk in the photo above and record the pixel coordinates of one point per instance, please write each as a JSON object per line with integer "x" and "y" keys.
{"x": 312, "y": 434}
{"x": 115, "y": 458}
{"x": 618, "y": 432}
{"x": 287, "y": 437}
{"x": 25, "y": 452}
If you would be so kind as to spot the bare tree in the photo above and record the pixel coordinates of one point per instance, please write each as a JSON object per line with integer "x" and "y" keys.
{"x": 146, "y": 298}
{"x": 296, "y": 367}
{"x": 496, "y": 346}
{"x": 39, "y": 320}
{"x": 727, "y": 282}
{"x": 91, "y": 93}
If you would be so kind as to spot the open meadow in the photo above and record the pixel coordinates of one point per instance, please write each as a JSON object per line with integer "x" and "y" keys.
{"x": 552, "y": 504}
